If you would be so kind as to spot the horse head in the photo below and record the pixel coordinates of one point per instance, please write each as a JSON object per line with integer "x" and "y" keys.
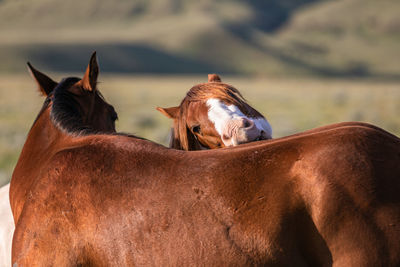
{"x": 76, "y": 105}
{"x": 215, "y": 115}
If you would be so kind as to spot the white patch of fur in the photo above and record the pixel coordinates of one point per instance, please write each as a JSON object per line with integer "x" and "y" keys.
{"x": 220, "y": 114}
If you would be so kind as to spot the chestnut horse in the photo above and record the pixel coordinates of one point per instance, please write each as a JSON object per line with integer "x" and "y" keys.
{"x": 327, "y": 197}
{"x": 80, "y": 107}
{"x": 46, "y": 86}
{"x": 215, "y": 115}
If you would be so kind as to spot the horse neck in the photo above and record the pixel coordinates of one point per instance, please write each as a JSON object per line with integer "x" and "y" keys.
{"x": 43, "y": 141}
{"x": 43, "y": 136}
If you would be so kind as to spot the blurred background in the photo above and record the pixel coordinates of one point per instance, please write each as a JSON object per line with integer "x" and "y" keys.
{"x": 302, "y": 63}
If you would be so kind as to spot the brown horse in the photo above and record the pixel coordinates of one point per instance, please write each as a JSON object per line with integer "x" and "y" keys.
{"x": 215, "y": 115}
{"x": 82, "y": 110}
{"x": 327, "y": 197}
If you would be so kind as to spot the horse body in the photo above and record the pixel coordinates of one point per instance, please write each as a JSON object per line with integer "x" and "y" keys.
{"x": 304, "y": 200}
{"x": 324, "y": 197}
{"x": 82, "y": 109}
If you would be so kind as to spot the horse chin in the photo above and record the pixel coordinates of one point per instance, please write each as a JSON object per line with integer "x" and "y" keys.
{"x": 262, "y": 137}
{"x": 249, "y": 139}
{"x": 203, "y": 147}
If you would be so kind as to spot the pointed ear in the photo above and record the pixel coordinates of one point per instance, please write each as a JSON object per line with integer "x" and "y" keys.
{"x": 213, "y": 78}
{"x": 46, "y": 85}
{"x": 172, "y": 112}
{"x": 89, "y": 81}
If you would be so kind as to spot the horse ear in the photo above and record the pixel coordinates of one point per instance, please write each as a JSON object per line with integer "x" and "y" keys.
{"x": 89, "y": 81}
{"x": 46, "y": 85}
{"x": 213, "y": 78}
{"x": 172, "y": 112}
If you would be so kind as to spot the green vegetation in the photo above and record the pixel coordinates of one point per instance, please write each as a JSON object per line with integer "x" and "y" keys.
{"x": 291, "y": 105}
{"x": 276, "y": 37}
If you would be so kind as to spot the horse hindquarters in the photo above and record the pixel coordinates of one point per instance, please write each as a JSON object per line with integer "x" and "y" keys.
{"x": 352, "y": 193}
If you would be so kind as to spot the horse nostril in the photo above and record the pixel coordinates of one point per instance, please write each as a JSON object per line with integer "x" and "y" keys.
{"x": 262, "y": 135}
{"x": 247, "y": 123}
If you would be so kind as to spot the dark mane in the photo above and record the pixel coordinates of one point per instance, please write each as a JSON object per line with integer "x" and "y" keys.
{"x": 66, "y": 111}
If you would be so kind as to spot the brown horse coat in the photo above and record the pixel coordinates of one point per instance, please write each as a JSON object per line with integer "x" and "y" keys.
{"x": 324, "y": 197}
{"x": 80, "y": 107}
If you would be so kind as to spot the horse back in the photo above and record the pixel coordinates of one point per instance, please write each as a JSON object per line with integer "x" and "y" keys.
{"x": 101, "y": 203}
{"x": 113, "y": 201}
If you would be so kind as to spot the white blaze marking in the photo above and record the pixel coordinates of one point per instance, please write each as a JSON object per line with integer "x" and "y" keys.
{"x": 220, "y": 114}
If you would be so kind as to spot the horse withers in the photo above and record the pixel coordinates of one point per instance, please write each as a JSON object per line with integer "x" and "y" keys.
{"x": 215, "y": 115}
{"x": 326, "y": 197}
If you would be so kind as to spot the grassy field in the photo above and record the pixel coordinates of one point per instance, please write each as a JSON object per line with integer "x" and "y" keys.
{"x": 291, "y": 105}
{"x": 255, "y": 37}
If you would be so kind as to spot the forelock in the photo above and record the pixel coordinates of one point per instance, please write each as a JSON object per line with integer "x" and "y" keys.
{"x": 181, "y": 125}
{"x": 222, "y": 91}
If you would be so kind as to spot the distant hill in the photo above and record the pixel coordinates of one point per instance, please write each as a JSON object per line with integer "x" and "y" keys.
{"x": 258, "y": 37}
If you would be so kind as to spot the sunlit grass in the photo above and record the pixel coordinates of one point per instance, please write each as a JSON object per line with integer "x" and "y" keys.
{"x": 291, "y": 105}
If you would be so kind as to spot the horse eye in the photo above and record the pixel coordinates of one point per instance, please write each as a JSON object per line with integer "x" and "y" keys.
{"x": 114, "y": 116}
{"x": 196, "y": 129}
